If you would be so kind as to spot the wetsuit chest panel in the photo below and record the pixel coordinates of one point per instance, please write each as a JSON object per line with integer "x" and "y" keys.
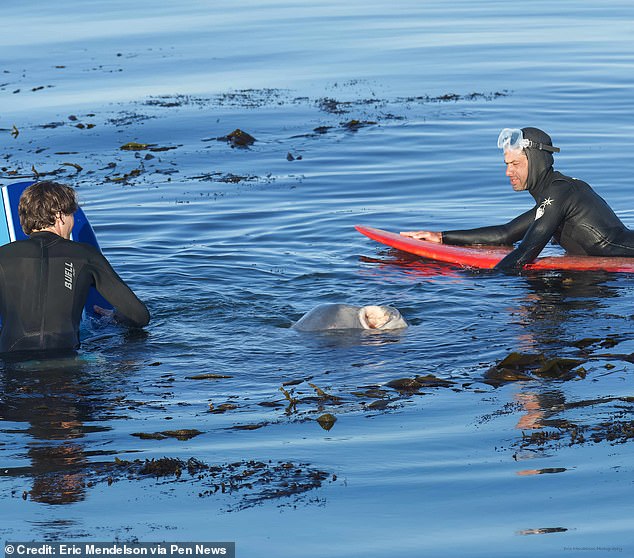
{"x": 588, "y": 224}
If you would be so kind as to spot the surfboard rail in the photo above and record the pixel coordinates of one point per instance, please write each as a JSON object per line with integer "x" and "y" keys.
{"x": 486, "y": 257}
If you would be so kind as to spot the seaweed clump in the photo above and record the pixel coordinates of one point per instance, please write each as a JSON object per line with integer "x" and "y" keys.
{"x": 238, "y": 138}
{"x": 256, "y": 481}
{"x": 517, "y": 367}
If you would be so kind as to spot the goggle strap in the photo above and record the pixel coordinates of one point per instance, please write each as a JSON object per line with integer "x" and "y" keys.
{"x": 544, "y": 147}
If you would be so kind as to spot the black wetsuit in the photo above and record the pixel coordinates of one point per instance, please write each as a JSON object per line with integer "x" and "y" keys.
{"x": 44, "y": 284}
{"x": 566, "y": 209}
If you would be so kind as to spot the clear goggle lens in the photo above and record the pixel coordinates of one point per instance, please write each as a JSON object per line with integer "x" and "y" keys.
{"x": 512, "y": 139}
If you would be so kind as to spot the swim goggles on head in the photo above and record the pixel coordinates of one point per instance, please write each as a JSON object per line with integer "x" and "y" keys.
{"x": 513, "y": 139}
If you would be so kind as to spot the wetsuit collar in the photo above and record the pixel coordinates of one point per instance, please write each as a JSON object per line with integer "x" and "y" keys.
{"x": 45, "y": 237}
{"x": 539, "y": 184}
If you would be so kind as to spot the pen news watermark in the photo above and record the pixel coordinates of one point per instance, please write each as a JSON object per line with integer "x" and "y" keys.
{"x": 90, "y": 549}
{"x": 602, "y": 549}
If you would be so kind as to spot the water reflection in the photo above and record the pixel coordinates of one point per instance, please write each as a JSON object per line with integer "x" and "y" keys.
{"x": 59, "y": 400}
{"x": 411, "y": 266}
{"x": 554, "y": 314}
{"x": 555, "y": 304}
{"x": 538, "y": 408}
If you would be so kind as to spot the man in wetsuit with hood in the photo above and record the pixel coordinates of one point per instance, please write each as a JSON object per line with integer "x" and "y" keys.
{"x": 45, "y": 280}
{"x": 566, "y": 209}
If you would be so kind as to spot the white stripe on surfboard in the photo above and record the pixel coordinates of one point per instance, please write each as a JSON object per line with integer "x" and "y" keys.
{"x": 8, "y": 213}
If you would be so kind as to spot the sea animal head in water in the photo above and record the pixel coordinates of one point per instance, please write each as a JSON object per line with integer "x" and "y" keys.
{"x": 346, "y": 317}
{"x": 381, "y": 317}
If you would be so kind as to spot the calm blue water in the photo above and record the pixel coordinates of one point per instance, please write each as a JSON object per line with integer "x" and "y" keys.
{"x": 229, "y": 246}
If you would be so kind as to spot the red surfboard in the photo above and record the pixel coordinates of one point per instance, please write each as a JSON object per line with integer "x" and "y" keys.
{"x": 486, "y": 257}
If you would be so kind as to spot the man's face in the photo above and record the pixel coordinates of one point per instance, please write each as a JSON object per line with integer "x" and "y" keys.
{"x": 516, "y": 169}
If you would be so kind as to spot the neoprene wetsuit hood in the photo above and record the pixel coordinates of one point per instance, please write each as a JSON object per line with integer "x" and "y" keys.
{"x": 539, "y": 161}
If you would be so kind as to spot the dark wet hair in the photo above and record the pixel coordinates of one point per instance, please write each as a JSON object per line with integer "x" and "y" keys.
{"x": 41, "y": 202}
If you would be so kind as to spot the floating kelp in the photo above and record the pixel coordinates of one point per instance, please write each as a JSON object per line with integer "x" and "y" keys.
{"x": 208, "y": 376}
{"x": 569, "y": 433}
{"x": 326, "y": 421}
{"x": 124, "y": 177}
{"x": 432, "y": 381}
{"x": 259, "y": 481}
{"x": 222, "y": 408}
{"x": 246, "y": 483}
{"x": 238, "y": 138}
{"x": 332, "y": 106}
{"x": 292, "y": 401}
{"x": 561, "y": 368}
{"x": 52, "y": 125}
{"x": 618, "y": 432}
{"x": 149, "y": 435}
{"x": 236, "y": 179}
{"x": 455, "y": 97}
{"x": 496, "y": 376}
{"x": 586, "y": 342}
{"x": 167, "y": 101}
{"x": 41, "y": 87}
{"x": 322, "y": 129}
{"x": 167, "y": 466}
{"x": 325, "y": 396}
{"x": 539, "y": 438}
{"x": 412, "y": 385}
{"x": 77, "y": 167}
{"x": 607, "y": 343}
{"x": 271, "y": 404}
{"x": 182, "y": 434}
{"x": 135, "y": 146}
{"x": 380, "y": 404}
{"x": 256, "y": 426}
{"x": 354, "y": 125}
{"x": 293, "y": 382}
{"x": 517, "y": 367}
{"x": 373, "y": 392}
{"x": 405, "y": 385}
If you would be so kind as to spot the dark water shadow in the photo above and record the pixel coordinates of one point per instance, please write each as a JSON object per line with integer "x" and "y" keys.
{"x": 55, "y": 404}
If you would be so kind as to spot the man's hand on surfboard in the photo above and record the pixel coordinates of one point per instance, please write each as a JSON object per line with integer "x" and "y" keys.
{"x": 430, "y": 236}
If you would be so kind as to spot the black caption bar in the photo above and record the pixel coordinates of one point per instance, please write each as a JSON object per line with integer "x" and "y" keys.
{"x": 91, "y": 549}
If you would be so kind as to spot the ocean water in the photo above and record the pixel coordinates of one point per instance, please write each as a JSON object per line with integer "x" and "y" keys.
{"x": 203, "y": 427}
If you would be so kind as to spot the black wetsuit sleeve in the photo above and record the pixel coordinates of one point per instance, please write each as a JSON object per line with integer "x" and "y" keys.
{"x": 129, "y": 310}
{"x": 498, "y": 234}
{"x": 538, "y": 235}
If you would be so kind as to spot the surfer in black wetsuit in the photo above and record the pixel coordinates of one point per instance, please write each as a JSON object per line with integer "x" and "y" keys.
{"x": 44, "y": 280}
{"x": 566, "y": 209}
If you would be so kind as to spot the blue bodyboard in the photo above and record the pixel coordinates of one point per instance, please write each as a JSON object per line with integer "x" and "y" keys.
{"x": 11, "y": 230}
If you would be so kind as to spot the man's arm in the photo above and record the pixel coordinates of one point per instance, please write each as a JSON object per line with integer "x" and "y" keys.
{"x": 129, "y": 310}
{"x": 506, "y": 234}
{"x": 537, "y": 236}
{"x": 498, "y": 234}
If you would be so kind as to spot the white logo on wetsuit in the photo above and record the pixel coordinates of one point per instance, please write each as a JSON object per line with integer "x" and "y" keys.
{"x": 69, "y": 275}
{"x": 542, "y": 208}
